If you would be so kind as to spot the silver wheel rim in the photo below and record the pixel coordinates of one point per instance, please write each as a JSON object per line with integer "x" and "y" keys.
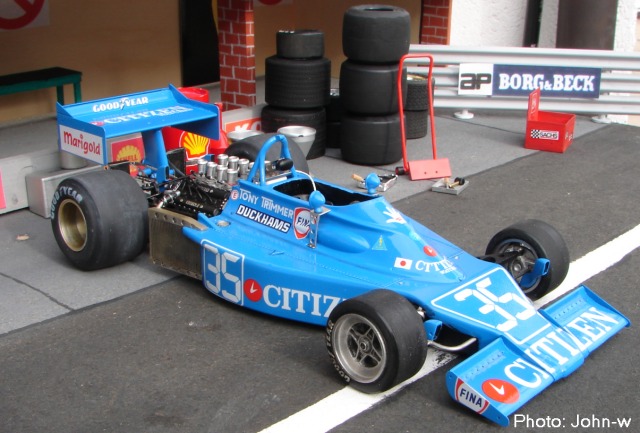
{"x": 526, "y": 259}
{"x": 359, "y": 348}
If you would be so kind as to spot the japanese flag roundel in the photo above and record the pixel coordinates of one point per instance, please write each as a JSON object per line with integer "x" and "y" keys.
{"x": 403, "y": 263}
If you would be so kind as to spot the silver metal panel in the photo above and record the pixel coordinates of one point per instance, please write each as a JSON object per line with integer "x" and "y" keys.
{"x": 619, "y": 86}
{"x": 42, "y": 185}
{"x": 168, "y": 247}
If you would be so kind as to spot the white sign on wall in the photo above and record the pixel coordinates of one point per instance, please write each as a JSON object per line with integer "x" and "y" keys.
{"x": 475, "y": 79}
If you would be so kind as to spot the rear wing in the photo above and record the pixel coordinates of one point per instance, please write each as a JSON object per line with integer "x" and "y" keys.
{"x": 500, "y": 378}
{"x": 85, "y": 128}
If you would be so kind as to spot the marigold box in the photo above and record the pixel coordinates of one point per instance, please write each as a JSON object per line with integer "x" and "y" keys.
{"x": 547, "y": 130}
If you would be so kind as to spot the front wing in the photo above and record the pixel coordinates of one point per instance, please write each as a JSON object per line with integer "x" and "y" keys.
{"x": 500, "y": 378}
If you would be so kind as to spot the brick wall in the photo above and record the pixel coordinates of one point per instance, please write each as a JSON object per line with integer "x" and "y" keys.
{"x": 436, "y": 16}
{"x": 237, "y": 45}
{"x": 237, "y": 53}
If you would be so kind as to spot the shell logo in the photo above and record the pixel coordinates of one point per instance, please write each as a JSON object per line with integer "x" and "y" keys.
{"x": 129, "y": 153}
{"x": 196, "y": 145}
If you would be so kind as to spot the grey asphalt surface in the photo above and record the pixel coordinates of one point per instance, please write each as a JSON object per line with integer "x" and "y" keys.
{"x": 150, "y": 351}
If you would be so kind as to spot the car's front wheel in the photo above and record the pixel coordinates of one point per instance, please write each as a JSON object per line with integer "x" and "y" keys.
{"x": 376, "y": 340}
{"x": 525, "y": 242}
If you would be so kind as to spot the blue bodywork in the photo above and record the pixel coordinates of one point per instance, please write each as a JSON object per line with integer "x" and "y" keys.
{"x": 303, "y": 262}
{"x": 85, "y": 129}
{"x": 295, "y": 247}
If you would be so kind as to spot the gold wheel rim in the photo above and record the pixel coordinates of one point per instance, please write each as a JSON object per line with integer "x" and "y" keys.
{"x": 73, "y": 225}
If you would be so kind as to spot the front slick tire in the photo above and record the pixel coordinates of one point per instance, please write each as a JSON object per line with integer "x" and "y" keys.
{"x": 99, "y": 219}
{"x": 376, "y": 340}
{"x": 533, "y": 239}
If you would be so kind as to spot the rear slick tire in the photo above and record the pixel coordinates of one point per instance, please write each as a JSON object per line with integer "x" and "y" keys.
{"x": 371, "y": 89}
{"x": 297, "y": 84}
{"x": 300, "y": 44}
{"x": 371, "y": 140}
{"x": 99, "y": 219}
{"x": 376, "y": 33}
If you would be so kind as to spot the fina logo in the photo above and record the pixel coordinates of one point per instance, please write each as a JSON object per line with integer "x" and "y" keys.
{"x": 469, "y": 397}
{"x": 302, "y": 220}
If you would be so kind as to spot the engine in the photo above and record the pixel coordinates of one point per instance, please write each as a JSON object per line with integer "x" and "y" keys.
{"x": 197, "y": 194}
{"x": 203, "y": 191}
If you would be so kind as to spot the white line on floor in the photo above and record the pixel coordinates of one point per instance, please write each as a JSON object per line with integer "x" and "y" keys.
{"x": 342, "y": 405}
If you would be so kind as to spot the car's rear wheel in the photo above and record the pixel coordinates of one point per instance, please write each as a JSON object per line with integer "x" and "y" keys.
{"x": 531, "y": 240}
{"x": 99, "y": 219}
{"x": 376, "y": 340}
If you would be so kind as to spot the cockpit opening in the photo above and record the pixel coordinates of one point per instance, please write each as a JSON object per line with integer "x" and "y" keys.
{"x": 302, "y": 188}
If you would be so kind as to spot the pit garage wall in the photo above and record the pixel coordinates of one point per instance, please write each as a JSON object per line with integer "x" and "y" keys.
{"x": 487, "y": 22}
{"x": 501, "y": 22}
{"x": 124, "y": 46}
{"x": 120, "y": 46}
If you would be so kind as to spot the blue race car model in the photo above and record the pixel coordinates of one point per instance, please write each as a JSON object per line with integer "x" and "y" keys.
{"x": 279, "y": 241}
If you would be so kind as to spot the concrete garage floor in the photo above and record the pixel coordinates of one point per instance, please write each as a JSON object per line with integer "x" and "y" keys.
{"x": 137, "y": 348}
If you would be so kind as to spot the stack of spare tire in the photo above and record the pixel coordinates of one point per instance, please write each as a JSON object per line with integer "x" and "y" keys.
{"x": 297, "y": 85}
{"x": 374, "y": 39}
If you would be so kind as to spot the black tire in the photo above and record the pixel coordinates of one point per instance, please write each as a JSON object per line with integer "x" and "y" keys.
{"x": 300, "y": 44}
{"x": 99, "y": 219}
{"x": 274, "y": 118}
{"x": 371, "y": 140}
{"x": 416, "y": 124}
{"x": 376, "y": 33}
{"x": 297, "y": 84}
{"x": 333, "y": 135}
{"x": 250, "y": 147}
{"x": 376, "y": 340}
{"x": 371, "y": 89}
{"x": 417, "y": 93}
{"x": 535, "y": 239}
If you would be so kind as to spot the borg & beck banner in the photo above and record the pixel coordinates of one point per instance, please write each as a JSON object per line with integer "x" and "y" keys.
{"x": 515, "y": 80}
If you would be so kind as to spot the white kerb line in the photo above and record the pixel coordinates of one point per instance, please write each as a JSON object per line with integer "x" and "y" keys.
{"x": 343, "y": 405}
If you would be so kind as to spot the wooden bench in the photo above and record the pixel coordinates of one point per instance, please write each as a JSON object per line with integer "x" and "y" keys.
{"x": 41, "y": 79}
